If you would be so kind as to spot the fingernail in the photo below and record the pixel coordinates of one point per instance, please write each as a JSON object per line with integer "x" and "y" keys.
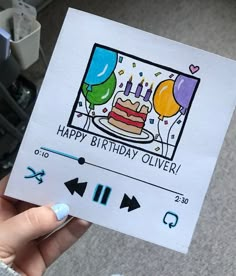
{"x": 61, "y": 210}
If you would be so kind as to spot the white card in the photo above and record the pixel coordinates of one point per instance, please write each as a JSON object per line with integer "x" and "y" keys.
{"x": 126, "y": 130}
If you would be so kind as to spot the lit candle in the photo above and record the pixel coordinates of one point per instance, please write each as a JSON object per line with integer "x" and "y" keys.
{"x": 139, "y": 89}
{"x": 128, "y": 87}
{"x": 148, "y": 94}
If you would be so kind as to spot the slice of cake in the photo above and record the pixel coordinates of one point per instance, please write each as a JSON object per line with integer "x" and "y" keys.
{"x": 129, "y": 113}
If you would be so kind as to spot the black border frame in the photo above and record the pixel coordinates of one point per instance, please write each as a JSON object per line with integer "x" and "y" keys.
{"x": 69, "y": 124}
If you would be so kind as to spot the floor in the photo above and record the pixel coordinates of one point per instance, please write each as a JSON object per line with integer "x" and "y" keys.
{"x": 206, "y": 24}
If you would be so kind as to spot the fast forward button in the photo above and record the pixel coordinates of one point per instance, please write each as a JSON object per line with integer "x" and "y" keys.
{"x": 131, "y": 203}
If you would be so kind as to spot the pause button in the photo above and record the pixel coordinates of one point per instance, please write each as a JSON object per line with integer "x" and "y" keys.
{"x": 101, "y": 194}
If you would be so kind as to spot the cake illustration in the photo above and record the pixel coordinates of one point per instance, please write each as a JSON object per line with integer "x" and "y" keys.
{"x": 130, "y": 110}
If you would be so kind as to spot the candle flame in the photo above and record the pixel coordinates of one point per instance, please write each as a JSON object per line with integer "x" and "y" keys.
{"x": 131, "y": 78}
{"x": 151, "y": 86}
{"x": 142, "y": 81}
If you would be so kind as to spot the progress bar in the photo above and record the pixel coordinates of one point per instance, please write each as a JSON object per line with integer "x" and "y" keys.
{"x": 82, "y": 161}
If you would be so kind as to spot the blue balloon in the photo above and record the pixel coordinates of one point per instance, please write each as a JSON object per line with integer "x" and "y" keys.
{"x": 101, "y": 67}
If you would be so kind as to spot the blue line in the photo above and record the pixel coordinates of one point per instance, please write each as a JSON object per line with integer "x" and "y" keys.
{"x": 61, "y": 153}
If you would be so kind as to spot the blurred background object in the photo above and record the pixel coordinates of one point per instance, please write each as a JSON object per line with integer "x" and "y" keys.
{"x": 38, "y": 4}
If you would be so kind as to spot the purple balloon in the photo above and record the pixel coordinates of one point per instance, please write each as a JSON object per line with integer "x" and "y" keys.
{"x": 183, "y": 91}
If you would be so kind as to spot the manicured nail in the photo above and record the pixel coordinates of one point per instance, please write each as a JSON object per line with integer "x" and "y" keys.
{"x": 61, "y": 211}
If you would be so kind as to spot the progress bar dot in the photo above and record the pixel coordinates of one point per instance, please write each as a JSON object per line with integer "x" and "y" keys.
{"x": 81, "y": 160}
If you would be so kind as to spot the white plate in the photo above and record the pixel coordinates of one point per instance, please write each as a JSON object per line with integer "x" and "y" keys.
{"x": 103, "y": 124}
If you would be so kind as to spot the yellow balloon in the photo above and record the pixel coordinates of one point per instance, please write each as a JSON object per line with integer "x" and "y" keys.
{"x": 163, "y": 100}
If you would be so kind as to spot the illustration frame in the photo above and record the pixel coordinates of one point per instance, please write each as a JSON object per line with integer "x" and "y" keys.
{"x": 125, "y": 141}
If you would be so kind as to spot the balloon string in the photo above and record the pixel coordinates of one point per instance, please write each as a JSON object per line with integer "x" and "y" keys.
{"x": 158, "y": 128}
{"x": 168, "y": 136}
{"x": 89, "y": 120}
{"x": 86, "y": 106}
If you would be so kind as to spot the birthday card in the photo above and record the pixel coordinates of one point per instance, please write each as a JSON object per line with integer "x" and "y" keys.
{"x": 126, "y": 130}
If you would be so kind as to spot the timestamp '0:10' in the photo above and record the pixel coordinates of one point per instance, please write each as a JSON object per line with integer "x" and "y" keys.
{"x": 41, "y": 153}
{"x": 181, "y": 199}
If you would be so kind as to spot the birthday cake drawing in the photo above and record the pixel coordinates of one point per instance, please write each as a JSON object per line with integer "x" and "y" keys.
{"x": 134, "y": 101}
{"x": 129, "y": 111}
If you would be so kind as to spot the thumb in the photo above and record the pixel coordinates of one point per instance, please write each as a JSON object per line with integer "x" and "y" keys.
{"x": 31, "y": 224}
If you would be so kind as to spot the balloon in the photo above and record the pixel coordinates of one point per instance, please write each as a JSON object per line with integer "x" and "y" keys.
{"x": 101, "y": 67}
{"x": 163, "y": 100}
{"x": 101, "y": 93}
{"x": 183, "y": 91}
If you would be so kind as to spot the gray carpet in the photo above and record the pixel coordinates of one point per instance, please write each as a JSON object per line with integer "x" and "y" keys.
{"x": 206, "y": 24}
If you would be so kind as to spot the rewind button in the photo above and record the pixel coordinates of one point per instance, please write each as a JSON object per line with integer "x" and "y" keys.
{"x": 74, "y": 186}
